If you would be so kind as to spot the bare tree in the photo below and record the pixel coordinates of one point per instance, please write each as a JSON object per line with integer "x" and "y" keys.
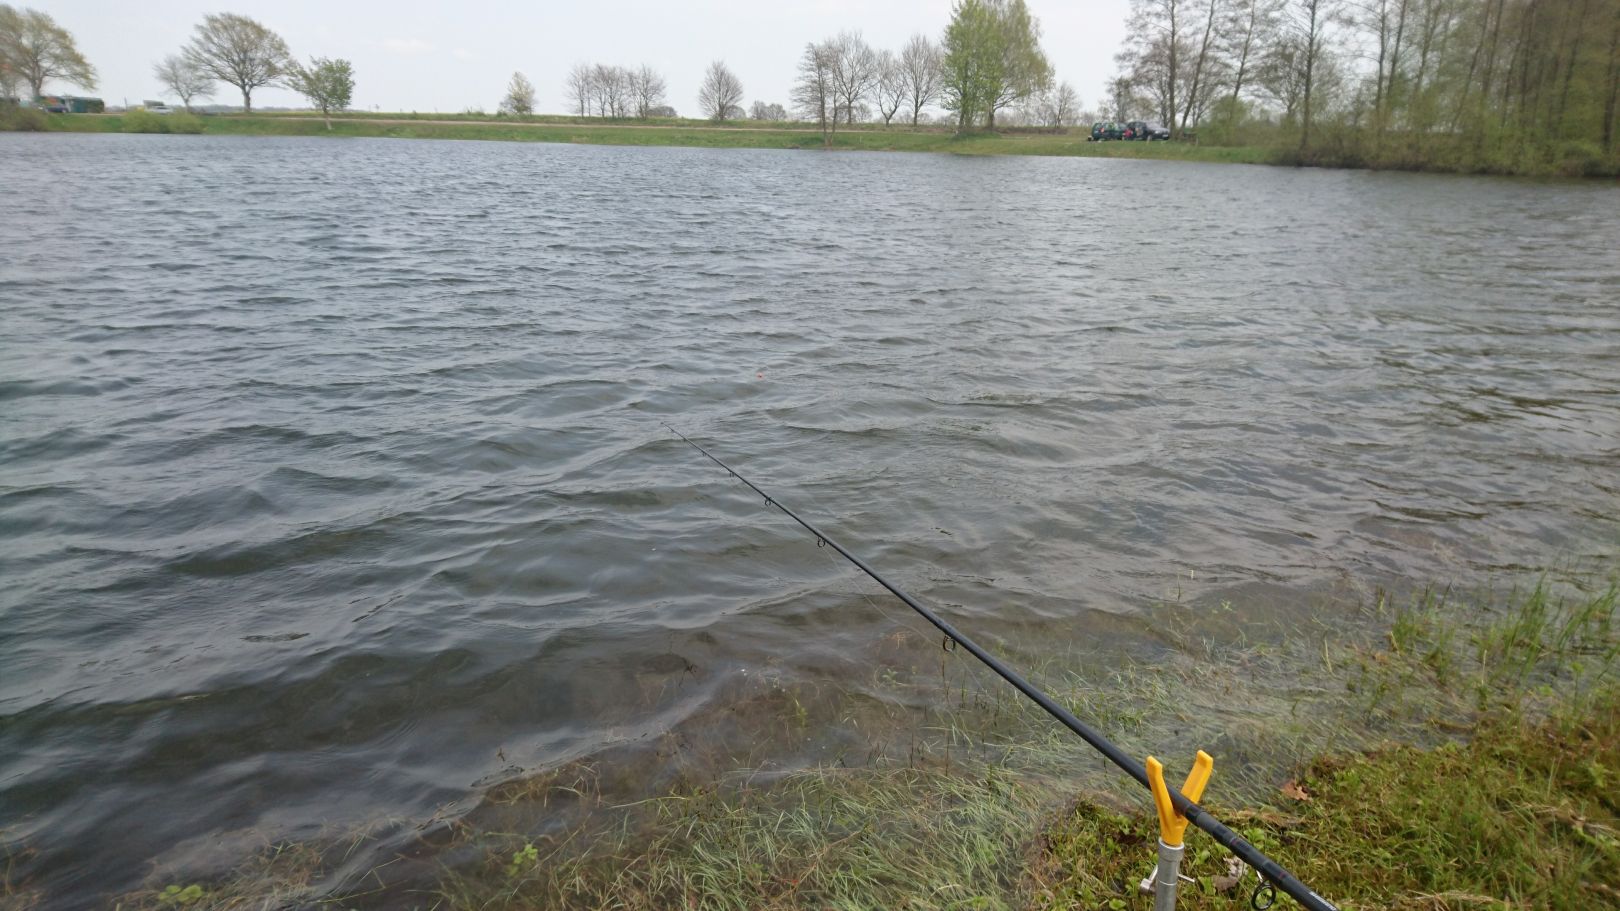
{"x": 1161, "y": 23}
{"x": 891, "y": 89}
{"x": 763, "y": 111}
{"x": 814, "y": 92}
{"x": 581, "y": 88}
{"x": 1252, "y": 26}
{"x": 647, "y": 89}
{"x": 920, "y": 68}
{"x": 613, "y": 91}
{"x": 519, "y": 98}
{"x": 720, "y": 96}
{"x": 1121, "y": 92}
{"x": 1212, "y": 9}
{"x": 1310, "y": 20}
{"x": 184, "y": 78}
{"x": 855, "y": 72}
{"x": 34, "y": 49}
{"x": 1058, "y": 107}
{"x": 239, "y": 51}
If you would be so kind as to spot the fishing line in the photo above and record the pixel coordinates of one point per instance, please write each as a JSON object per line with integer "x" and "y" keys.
{"x": 1194, "y": 814}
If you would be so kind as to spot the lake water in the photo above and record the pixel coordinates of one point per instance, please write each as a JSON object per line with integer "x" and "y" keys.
{"x": 333, "y": 486}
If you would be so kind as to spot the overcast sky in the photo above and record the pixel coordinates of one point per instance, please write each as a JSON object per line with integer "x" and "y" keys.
{"x": 450, "y": 56}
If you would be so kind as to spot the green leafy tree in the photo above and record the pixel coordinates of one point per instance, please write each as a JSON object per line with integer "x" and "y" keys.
{"x": 35, "y": 50}
{"x": 240, "y": 51}
{"x": 327, "y": 83}
{"x": 992, "y": 59}
{"x": 519, "y": 96}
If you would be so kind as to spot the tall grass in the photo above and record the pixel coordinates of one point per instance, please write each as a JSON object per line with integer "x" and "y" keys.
{"x": 1445, "y": 752}
{"x": 934, "y": 833}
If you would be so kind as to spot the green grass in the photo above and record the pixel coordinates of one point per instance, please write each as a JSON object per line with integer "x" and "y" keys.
{"x": 1438, "y": 753}
{"x": 740, "y": 135}
{"x": 1343, "y": 148}
{"x": 1521, "y": 813}
{"x": 1522, "y": 816}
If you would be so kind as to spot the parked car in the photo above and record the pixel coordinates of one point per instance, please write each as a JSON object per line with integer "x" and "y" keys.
{"x": 1146, "y": 130}
{"x": 1104, "y": 130}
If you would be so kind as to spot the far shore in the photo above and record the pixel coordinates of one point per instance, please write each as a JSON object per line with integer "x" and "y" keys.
{"x": 1412, "y": 153}
{"x": 744, "y": 135}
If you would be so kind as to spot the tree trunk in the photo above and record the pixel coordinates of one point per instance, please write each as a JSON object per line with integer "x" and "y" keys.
{"x": 1175, "y": 36}
{"x": 1390, "y": 98}
{"x": 1198, "y": 68}
{"x": 1313, "y": 36}
{"x": 1614, "y": 85}
{"x": 1243, "y": 58}
{"x": 247, "y": 101}
{"x": 1378, "y": 74}
{"x": 1574, "y": 54}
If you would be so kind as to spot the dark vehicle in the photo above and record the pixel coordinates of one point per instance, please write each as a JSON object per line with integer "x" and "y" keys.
{"x": 1104, "y": 130}
{"x": 70, "y": 104}
{"x": 1146, "y": 130}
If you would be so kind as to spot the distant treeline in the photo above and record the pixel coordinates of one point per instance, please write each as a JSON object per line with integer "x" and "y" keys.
{"x": 1486, "y": 85}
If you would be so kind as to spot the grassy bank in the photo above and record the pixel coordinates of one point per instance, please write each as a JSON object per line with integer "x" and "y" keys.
{"x": 1442, "y": 753}
{"x": 1342, "y": 149}
{"x": 655, "y": 133}
{"x": 1498, "y": 792}
{"x": 1338, "y": 148}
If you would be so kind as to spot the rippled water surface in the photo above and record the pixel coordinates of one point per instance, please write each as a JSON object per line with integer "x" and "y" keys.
{"x": 333, "y": 486}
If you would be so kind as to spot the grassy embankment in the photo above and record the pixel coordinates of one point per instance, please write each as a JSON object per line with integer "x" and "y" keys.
{"x": 1254, "y": 144}
{"x": 1258, "y": 143}
{"x": 863, "y": 137}
{"x": 1466, "y": 757}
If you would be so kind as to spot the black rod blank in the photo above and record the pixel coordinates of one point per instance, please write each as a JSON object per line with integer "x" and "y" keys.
{"x": 1132, "y": 766}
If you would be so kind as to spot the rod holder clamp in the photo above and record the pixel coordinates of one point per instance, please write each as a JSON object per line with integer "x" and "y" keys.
{"x": 1173, "y": 825}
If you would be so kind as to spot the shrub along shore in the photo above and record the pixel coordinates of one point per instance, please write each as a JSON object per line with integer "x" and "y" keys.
{"x": 1429, "y": 153}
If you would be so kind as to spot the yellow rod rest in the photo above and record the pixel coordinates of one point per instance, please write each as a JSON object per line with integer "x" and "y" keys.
{"x": 1173, "y": 825}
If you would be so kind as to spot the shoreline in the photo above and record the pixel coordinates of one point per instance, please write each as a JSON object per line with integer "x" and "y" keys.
{"x": 861, "y": 137}
{"x": 688, "y": 135}
{"x": 1503, "y": 711}
{"x": 1026, "y": 141}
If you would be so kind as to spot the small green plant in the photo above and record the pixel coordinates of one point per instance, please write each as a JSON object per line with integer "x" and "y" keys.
{"x": 174, "y": 895}
{"x": 522, "y": 860}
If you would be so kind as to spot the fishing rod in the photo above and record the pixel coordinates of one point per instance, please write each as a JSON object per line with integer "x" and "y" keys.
{"x": 1270, "y": 870}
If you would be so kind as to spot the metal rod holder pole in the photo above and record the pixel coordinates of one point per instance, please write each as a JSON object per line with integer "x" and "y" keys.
{"x": 1167, "y": 876}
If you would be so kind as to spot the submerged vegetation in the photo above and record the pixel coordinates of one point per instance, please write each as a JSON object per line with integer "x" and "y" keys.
{"x": 1455, "y": 753}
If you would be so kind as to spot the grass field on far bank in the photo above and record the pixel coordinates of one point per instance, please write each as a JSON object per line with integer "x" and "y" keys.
{"x": 683, "y": 133}
{"x": 1331, "y": 147}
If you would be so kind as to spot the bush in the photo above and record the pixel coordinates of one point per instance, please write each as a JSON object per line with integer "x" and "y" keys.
{"x": 1580, "y": 158}
{"x": 185, "y": 123}
{"x": 22, "y": 120}
{"x": 139, "y": 121}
